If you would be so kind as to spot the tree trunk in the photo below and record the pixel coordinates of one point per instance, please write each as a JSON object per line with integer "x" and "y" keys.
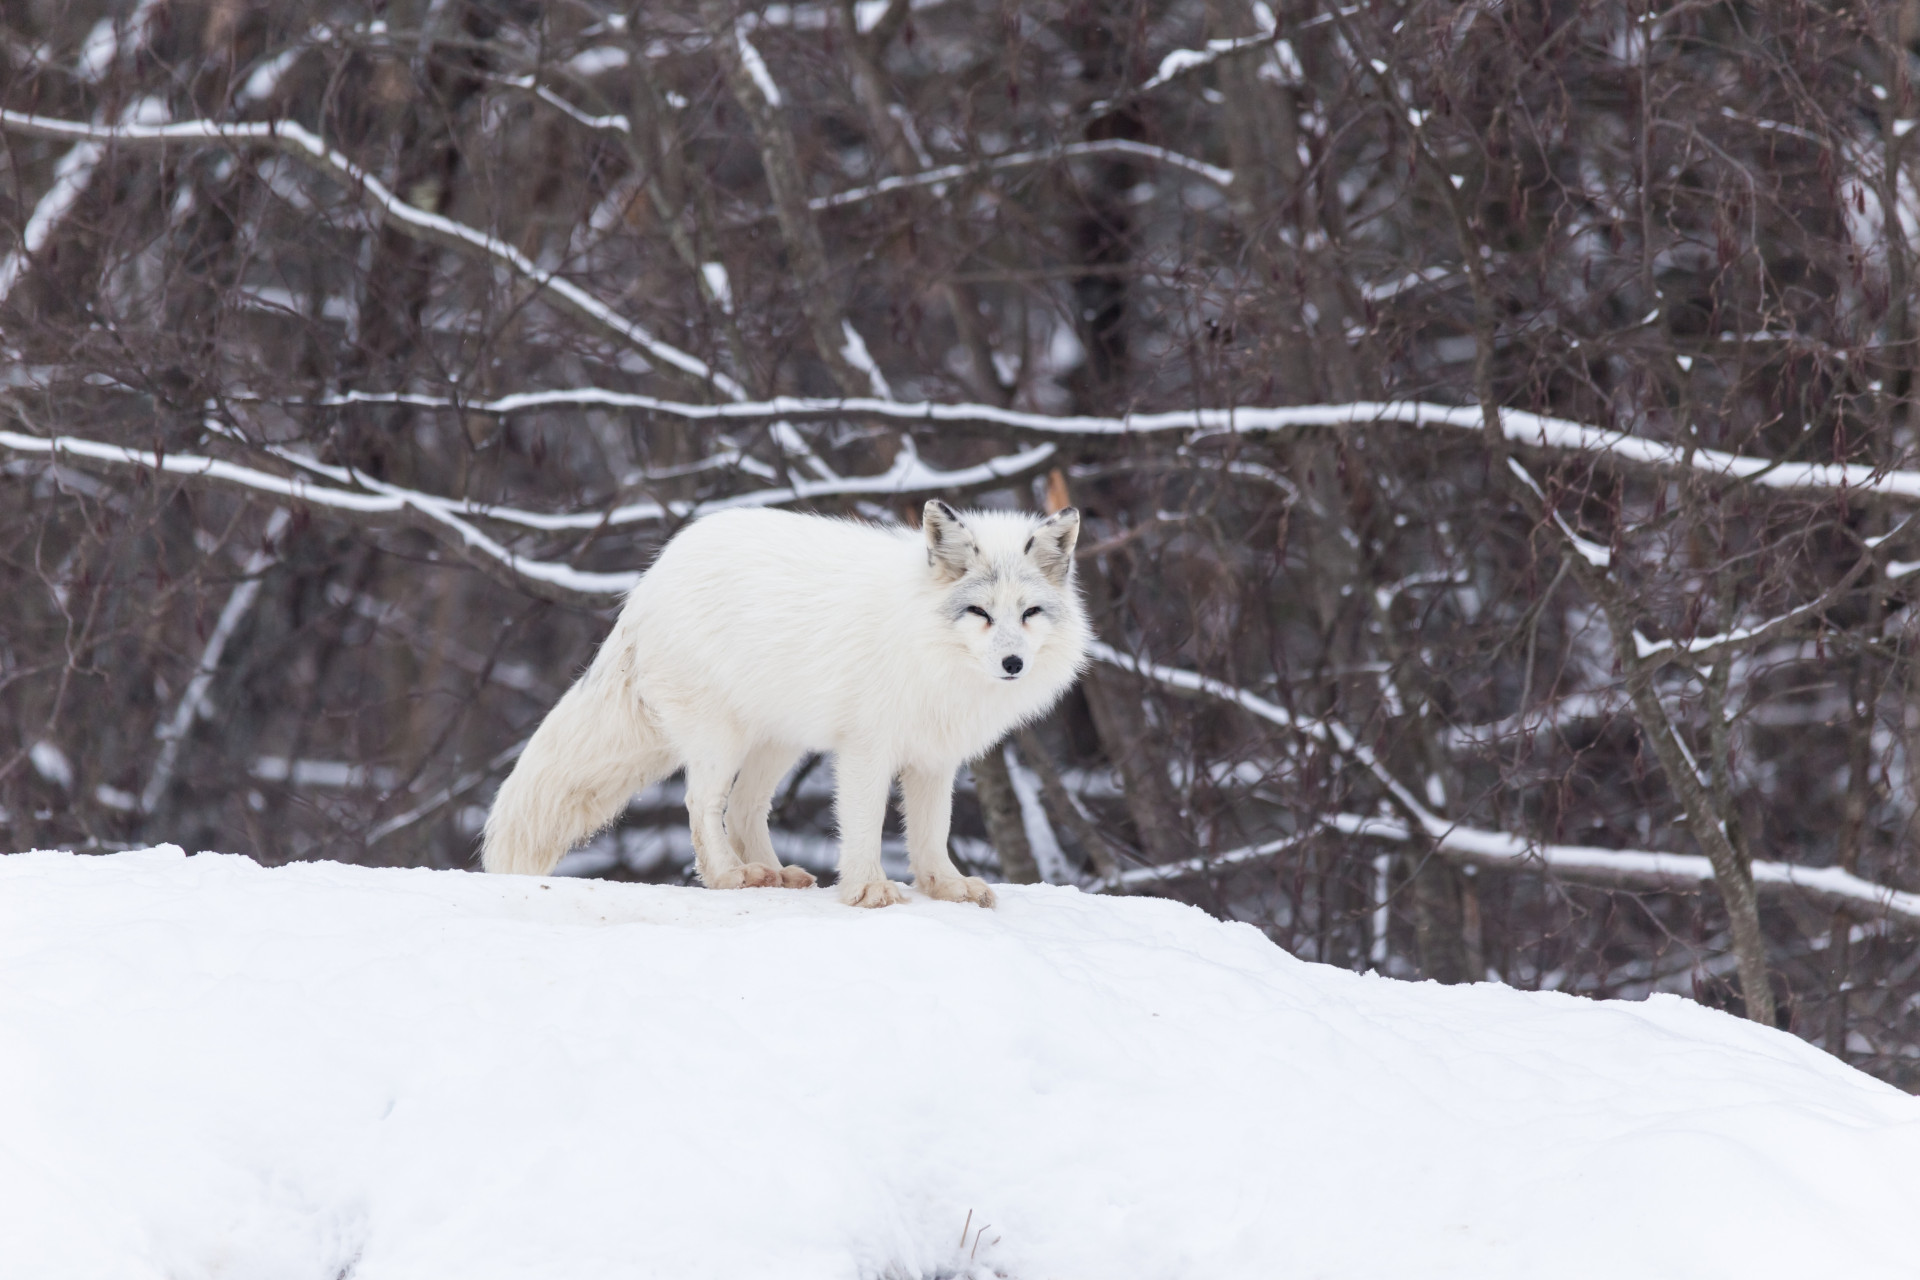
{"x": 1006, "y": 827}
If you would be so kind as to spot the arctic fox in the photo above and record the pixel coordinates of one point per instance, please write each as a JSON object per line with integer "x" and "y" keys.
{"x": 758, "y": 636}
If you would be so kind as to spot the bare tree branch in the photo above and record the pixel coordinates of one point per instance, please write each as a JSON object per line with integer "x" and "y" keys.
{"x": 291, "y": 139}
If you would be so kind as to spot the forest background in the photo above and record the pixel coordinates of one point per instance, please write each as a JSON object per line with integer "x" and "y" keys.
{"x": 1493, "y": 422}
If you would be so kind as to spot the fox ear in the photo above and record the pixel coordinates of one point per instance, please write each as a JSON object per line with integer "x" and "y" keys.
{"x": 1051, "y": 545}
{"x": 950, "y": 545}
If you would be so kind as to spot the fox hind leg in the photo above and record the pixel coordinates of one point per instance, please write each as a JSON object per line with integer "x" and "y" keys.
{"x": 748, "y": 805}
{"x": 720, "y": 867}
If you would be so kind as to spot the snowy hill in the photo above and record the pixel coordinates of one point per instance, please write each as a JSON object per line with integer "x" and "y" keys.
{"x": 208, "y": 1069}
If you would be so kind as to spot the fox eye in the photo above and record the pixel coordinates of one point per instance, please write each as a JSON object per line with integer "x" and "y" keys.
{"x": 974, "y": 608}
{"x": 1033, "y": 612}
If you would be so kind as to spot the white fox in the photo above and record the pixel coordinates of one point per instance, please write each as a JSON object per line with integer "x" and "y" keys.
{"x": 758, "y": 636}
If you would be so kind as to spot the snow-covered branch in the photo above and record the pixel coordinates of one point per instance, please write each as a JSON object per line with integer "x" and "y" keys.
{"x": 73, "y": 172}
{"x": 612, "y": 123}
{"x": 293, "y": 140}
{"x": 1523, "y": 428}
{"x": 1184, "y": 62}
{"x": 1830, "y": 885}
{"x": 816, "y": 290}
{"x": 446, "y": 795}
{"x": 1574, "y": 708}
{"x": 1320, "y": 729}
{"x": 907, "y": 475}
{"x": 1709, "y": 648}
{"x": 1218, "y": 176}
{"x": 193, "y": 703}
{"x": 1592, "y": 552}
{"x": 396, "y": 502}
{"x": 755, "y": 65}
{"x": 1201, "y": 865}
{"x": 1608, "y": 868}
{"x": 451, "y": 516}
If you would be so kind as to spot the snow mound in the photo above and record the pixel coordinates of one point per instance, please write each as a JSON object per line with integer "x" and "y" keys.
{"x": 210, "y": 1069}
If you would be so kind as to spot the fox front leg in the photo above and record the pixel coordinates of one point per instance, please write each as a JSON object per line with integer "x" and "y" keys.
{"x": 860, "y": 801}
{"x": 928, "y": 796}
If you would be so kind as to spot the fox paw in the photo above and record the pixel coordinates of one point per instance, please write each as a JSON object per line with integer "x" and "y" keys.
{"x": 874, "y": 893}
{"x": 796, "y": 878}
{"x": 751, "y": 875}
{"x": 956, "y": 889}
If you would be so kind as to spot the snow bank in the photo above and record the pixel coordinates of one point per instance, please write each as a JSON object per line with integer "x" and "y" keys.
{"x": 208, "y": 1069}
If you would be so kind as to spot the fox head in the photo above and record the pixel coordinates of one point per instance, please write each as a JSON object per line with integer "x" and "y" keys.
{"x": 1009, "y": 587}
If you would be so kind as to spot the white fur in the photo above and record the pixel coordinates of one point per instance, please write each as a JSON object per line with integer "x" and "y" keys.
{"x": 761, "y": 635}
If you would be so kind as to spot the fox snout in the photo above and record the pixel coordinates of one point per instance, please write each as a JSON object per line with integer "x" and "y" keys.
{"x": 1012, "y": 664}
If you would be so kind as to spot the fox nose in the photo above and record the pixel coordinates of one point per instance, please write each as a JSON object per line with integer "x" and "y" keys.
{"x": 1011, "y": 665}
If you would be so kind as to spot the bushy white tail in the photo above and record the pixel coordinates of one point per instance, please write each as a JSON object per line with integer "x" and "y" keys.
{"x": 593, "y": 751}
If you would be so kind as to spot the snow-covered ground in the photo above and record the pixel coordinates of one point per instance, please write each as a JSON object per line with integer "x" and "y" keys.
{"x": 208, "y": 1069}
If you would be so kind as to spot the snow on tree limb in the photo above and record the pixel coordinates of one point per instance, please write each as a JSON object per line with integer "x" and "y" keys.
{"x": 614, "y": 122}
{"x": 1213, "y": 173}
{"x": 1523, "y": 428}
{"x": 293, "y": 140}
{"x": 1182, "y": 62}
{"x": 1704, "y": 649}
{"x": 446, "y": 795}
{"x": 752, "y": 87}
{"x": 1592, "y": 552}
{"x": 907, "y": 475}
{"x": 193, "y": 703}
{"x": 298, "y": 488}
{"x": 755, "y": 65}
{"x": 451, "y": 517}
{"x": 856, "y": 354}
{"x": 1607, "y": 868}
{"x": 1322, "y": 730}
{"x": 1831, "y": 885}
{"x": 74, "y": 171}
{"x": 70, "y": 178}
